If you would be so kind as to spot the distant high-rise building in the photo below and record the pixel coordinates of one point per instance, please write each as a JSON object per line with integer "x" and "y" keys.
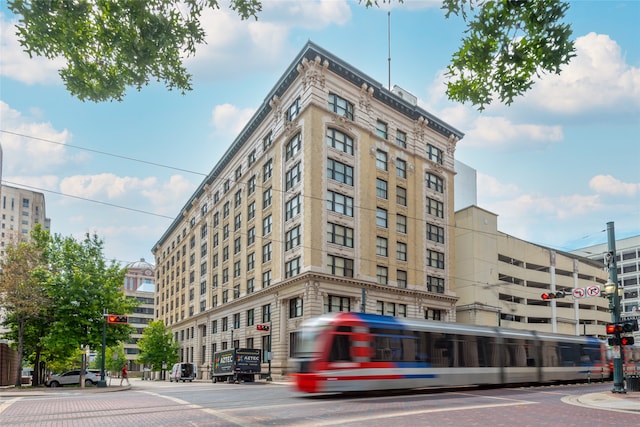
{"x": 20, "y": 211}
{"x": 138, "y": 284}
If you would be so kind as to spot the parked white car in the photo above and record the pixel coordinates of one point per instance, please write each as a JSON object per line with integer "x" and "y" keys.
{"x": 71, "y": 378}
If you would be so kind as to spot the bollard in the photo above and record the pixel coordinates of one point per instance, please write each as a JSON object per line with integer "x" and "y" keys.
{"x": 589, "y": 377}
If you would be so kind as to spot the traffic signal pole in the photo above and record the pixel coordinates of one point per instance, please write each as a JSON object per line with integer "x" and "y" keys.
{"x": 103, "y": 381}
{"x": 618, "y": 380}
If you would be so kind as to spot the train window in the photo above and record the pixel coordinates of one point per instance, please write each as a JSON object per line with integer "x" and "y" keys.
{"x": 570, "y": 354}
{"x": 340, "y": 349}
{"x": 550, "y": 354}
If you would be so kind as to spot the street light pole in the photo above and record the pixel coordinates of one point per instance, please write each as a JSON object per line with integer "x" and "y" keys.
{"x": 618, "y": 380}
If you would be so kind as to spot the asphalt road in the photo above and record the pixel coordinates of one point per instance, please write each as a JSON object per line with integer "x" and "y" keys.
{"x": 150, "y": 403}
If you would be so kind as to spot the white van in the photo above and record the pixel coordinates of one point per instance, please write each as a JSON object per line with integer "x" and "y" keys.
{"x": 183, "y": 372}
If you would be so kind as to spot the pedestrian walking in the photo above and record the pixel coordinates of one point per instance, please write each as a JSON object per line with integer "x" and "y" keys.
{"x": 124, "y": 375}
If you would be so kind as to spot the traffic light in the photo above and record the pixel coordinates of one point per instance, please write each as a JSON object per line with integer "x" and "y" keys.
{"x": 614, "y": 341}
{"x": 260, "y": 327}
{"x": 553, "y": 295}
{"x": 114, "y": 318}
{"x": 627, "y": 341}
{"x": 614, "y": 328}
{"x": 630, "y": 325}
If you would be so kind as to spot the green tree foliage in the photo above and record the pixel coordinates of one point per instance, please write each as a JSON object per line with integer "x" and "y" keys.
{"x": 110, "y": 45}
{"x": 157, "y": 346}
{"x": 22, "y": 290}
{"x": 506, "y": 45}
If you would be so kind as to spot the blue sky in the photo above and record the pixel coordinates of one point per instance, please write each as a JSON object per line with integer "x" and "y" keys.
{"x": 555, "y": 166}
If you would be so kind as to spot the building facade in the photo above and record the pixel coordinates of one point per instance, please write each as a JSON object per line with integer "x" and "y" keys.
{"x": 138, "y": 284}
{"x": 500, "y": 280}
{"x": 336, "y": 196}
{"x": 20, "y": 211}
{"x": 628, "y": 271}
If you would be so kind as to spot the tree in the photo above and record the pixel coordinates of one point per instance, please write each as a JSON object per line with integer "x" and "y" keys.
{"x": 83, "y": 286}
{"x": 157, "y": 346}
{"x": 22, "y": 290}
{"x": 110, "y": 45}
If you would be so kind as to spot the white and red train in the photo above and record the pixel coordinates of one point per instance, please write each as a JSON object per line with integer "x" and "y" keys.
{"x": 347, "y": 352}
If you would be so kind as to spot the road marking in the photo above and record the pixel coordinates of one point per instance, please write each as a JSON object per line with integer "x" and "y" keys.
{"x": 222, "y": 415}
{"x": 412, "y": 413}
{"x": 5, "y": 405}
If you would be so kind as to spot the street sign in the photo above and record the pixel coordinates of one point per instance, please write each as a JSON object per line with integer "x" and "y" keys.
{"x": 578, "y": 293}
{"x": 593, "y": 291}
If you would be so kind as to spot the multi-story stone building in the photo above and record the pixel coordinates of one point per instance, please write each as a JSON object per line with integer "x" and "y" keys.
{"x": 336, "y": 196}
{"x": 500, "y": 280}
{"x": 20, "y": 211}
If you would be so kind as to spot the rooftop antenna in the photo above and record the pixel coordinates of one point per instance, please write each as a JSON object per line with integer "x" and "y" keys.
{"x": 389, "y": 45}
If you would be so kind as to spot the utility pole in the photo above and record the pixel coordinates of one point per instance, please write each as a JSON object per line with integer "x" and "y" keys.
{"x": 618, "y": 380}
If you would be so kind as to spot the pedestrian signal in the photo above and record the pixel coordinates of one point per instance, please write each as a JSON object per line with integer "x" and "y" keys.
{"x": 114, "y": 318}
{"x": 627, "y": 341}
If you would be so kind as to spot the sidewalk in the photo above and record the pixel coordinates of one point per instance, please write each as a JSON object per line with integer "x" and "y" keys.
{"x": 628, "y": 402}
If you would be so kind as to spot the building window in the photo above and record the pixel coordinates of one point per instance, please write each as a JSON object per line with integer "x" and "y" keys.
{"x": 236, "y": 321}
{"x": 401, "y": 251}
{"x": 250, "y": 285}
{"x": 340, "y": 235}
{"x": 225, "y": 232}
{"x": 267, "y": 225}
{"x": 293, "y": 238}
{"x": 401, "y": 139}
{"x": 266, "y": 252}
{"x": 293, "y": 176}
{"x": 266, "y": 313}
{"x": 251, "y": 158}
{"x": 382, "y": 246}
{"x": 237, "y": 222}
{"x": 238, "y": 173}
{"x": 251, "y": 210}
{"x": 435, "y": 284}
{"x": 435, "y": 183}
{"x": 237, "y": 199}
{"x": 381, "y": 160}
{"x": 216, "y": 219}
{"x": 340, "y": 106}
{"x": 292, "y": 268}
{"x": 266, "y": 198}
{"x": 382, "y": 274}
{"x": 227, "y": 185}
{"x": 381, "y": 188}
{"x": 251, "y": 316}
{"x": 295, "y": 307}
{"x": 236, "y": 269}
{"x": 401, "y": 278}
{"x": 214, "y": 327}
{"x": 226, "y": 209}
{"x": 267, "y": 141}
{"x": 340, "y": 203}
{"x": 432, "y": 314}
{"x": 251, "y": 185}
{"x": 401, "y": 168}
{"x": 293, "y": 146}
{"x": 435, "y": 259}
{"x": 339, "y": 172}
{"x": 266, "y": 279}
{"x": 339, "y": 266}
{"x": 401, "y": 224}
{"x": 401, "y": 196}
{"x": 337, "y": 303}
{"x": 292, "y": 207}
{"x": 293, "y": 110}
{"x": 236, "y": 292}
{"x": 435, "y": 233}
{"x": 225, "y": 296}
{"x": 381, "y": 217}
{"x": 251, "y": 261}
{"x": 435, "y": 207}
{"x": 339, "y": 141}
{"x": 434, "y": 154}
{"x": 267, "y": 170}
{"x": 251, "y": 236}
{"x": 381, "y": 129}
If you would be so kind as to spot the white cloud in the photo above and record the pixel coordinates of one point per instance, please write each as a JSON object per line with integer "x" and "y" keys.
{"x": 168, "y": 197}
{"x": 500, "y": 131}
{"x": 30, "y": 146}
{"x": 490, "y": 187}
{"x": 106, "y": 185}
{"x": 606, "y": 184}
{"x": 597, "y": 78}
{"x": 229, "y": 119}
{"x": 16, "y": 64}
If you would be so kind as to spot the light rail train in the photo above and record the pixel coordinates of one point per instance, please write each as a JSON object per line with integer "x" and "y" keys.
{"x": 349, "y": 352}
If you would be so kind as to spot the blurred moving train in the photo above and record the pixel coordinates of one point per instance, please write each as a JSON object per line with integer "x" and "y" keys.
{"x": 347, "y": 352}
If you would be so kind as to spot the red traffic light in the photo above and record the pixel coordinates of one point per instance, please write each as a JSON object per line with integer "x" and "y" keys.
{"x": 115, "y": 318}
{"x": 553, "y": 295}
{"x": 260, "y": 327}
{"x": 627, "y": 341}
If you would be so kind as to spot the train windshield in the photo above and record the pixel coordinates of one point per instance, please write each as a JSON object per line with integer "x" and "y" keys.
{"x": 306, "y": 345}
